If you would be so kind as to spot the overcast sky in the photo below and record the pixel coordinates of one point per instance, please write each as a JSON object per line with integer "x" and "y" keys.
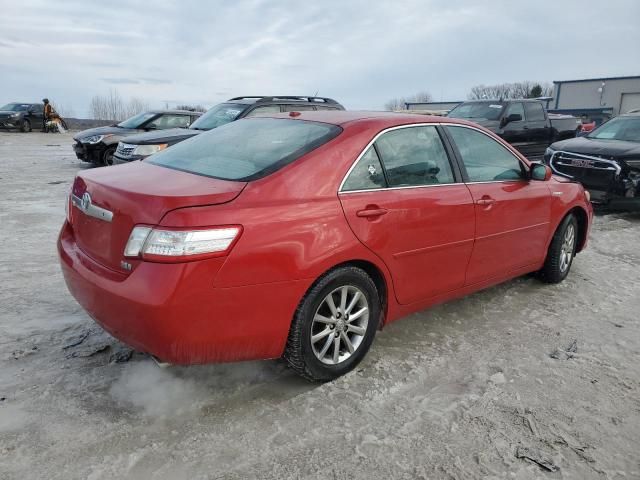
{"x": 361, "y": 53}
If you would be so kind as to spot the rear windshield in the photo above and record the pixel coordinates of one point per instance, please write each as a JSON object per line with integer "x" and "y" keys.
{"x": 246, "y": 149}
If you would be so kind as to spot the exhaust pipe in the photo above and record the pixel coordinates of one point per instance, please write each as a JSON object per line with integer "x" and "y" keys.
{"x": 160, "y": 363}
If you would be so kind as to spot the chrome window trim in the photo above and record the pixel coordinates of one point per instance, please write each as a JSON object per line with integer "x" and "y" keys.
{"x": 425, "y": 124}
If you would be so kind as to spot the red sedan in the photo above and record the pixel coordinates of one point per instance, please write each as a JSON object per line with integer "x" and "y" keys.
{"x": 299, "y": 236}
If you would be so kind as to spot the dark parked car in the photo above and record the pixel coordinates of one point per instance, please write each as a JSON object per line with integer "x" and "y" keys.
{"x": 21, "y": 116}
{"x": 142, "y": 145}
{"x": 606, "y": 161}
{"x": 525, "y": 124}
{"x": 98, "y": 145}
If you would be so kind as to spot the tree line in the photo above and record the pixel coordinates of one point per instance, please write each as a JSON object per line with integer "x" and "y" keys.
{"x": 114, "y": 107}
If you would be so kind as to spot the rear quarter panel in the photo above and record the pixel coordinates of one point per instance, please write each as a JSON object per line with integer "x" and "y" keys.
{"x": 293, "y": 223}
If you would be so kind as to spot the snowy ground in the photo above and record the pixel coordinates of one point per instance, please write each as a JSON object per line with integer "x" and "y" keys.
{"x": 456, "y": 392}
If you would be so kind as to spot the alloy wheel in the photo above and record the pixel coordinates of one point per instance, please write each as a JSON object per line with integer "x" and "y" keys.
{"x": 568, "y": 247}
{"x": 339, "y": 325}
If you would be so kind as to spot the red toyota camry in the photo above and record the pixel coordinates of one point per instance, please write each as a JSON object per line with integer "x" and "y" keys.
{"x": 299, "y": 236}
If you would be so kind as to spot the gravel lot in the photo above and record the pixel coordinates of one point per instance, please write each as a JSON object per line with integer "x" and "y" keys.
{"x": 524, "y": 380}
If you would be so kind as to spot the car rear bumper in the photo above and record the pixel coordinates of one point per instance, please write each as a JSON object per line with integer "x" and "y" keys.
{"x": 174, "y": 312}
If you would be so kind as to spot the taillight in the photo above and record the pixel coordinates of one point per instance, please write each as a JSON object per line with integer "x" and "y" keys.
{"x": 178, "y": 245}
{"x": 67, "y": 207}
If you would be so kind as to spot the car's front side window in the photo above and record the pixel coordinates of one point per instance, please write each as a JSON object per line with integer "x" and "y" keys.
{"x": 170, "y": 121}
{"x": 367, "y": 174}
{"x": 414, "y": 156}
{"x": 515, "y": 109}
{"x": 137, "y": 120}
{"x": 484, "y": 158}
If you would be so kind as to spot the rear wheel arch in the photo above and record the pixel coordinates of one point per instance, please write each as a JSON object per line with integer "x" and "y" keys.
{"x": 375, "y": 273}
{"x": 300, "y": 349}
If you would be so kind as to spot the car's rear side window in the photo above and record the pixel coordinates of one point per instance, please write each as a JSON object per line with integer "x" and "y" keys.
{"x": 367, "y": 174}
{"x": 414, "y": 156}
{"x": 535, "y": 112}
{"x": 246, "y": 149}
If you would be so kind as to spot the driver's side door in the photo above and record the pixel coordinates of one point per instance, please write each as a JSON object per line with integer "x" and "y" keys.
{"x": 512, "y": 211}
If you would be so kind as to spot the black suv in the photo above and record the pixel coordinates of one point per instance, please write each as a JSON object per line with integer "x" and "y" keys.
{"x": 606, "y": 161}
{"x": 23, "y": 116}
{"x": 98, "y": 145}
{"x": 140, "y": 146}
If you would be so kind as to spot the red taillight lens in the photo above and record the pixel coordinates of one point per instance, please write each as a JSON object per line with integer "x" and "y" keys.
{"x": 79, "y": 187}
{"x": 179, "y": 245}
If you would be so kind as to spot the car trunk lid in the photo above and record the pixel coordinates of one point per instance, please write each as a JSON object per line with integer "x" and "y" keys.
{"x": 109, "y": 202}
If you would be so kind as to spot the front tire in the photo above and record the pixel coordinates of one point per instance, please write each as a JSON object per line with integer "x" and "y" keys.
{"x": 26, "y": 126}
{"x": 334, "y": 325}
{"x": 561, "y": 251}
{"x": 107, "y": 155}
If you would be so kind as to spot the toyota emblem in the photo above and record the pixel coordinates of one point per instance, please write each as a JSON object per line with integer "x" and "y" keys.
{"x": 85, "y": 202}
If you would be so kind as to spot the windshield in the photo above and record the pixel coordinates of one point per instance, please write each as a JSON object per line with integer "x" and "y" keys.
{"x": 137, "y": 120}
{"x": 479, "y": 110}
{"x": 619, "y": 128}
{"x": 218, "y": 115}
{"x": 16, "y": 107}
{"x": 247, "y": 149}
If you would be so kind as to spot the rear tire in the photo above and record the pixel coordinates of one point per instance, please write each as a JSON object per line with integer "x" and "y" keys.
{"x": 561, "y": 251}
{"x": 324, "y": 342}
{"x": 26, "y": 126}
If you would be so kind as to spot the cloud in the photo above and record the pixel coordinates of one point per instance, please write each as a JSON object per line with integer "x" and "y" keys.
{"x": 121, "y": 81}
{"x": 362, "y": 53}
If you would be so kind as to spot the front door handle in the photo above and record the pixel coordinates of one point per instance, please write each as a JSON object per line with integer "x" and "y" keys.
{"x": 371, "y": 212}
{"x": 486, "y": 200}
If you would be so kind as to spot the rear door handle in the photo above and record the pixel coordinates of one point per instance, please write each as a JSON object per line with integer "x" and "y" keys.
{"x": 486, "y": 201}
{"x": 371, "y": 212}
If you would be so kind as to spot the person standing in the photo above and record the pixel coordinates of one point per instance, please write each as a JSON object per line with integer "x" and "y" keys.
{"x": 48, "y": 113}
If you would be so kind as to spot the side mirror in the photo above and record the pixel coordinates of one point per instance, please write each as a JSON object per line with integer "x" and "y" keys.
{"x": 540, "y": 172}
{"x": 514, "y": 117}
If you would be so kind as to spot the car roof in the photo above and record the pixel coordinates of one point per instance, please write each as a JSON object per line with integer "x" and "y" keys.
{"x": 504, "y": 100}
{"x": 181, "y": 112}
{"x": 283, "y": 99}
{"x": 385, "y": 119}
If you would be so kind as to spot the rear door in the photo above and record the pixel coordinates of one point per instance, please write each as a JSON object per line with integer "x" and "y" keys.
{"x": 512, "y": 212}
{"x": 404, "y": 201}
